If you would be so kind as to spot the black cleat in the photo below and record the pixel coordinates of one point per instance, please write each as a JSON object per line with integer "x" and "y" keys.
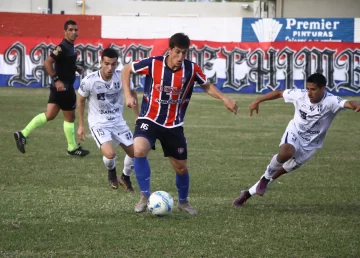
{"x": 20, "y": 141}
{"x": 125, "y": 182}
{"x": 79, "y": 152}
{"x": 112, "y": 179}
{"x": 241, "y": 200}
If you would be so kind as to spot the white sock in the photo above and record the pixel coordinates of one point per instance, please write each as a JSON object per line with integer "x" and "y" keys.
{"x": 128, "y": 165}
{"x": 272, "y": 167}
{"x": 109, "y": 163}
{"x": 252, "y": 189}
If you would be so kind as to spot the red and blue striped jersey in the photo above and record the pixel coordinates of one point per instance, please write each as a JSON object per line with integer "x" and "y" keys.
{"x": 167, "y": 92}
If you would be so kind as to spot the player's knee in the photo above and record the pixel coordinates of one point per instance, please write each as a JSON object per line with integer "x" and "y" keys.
{"x": 110, "y": 154}
{"x": 140, "y": 153}
{"x": 181, "y": 170}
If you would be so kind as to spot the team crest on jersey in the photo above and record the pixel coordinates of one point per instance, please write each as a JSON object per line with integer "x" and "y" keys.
{"x": 180, "y": 150}
{"x": 117, "y": 85}
{"x": 57, "y": 50}
{"x": 183, "y": 79}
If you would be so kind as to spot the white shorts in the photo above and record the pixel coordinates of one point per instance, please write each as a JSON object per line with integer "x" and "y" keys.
{"x": 117, "y": 134}
{"x": 301, "y": 155}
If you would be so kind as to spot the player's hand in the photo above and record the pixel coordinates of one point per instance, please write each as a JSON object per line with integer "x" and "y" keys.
{"x": 81, "y": 133}
{"x": 59, "y": 86}
{"x": 80, "y": 70}
{"x": 231, "y": 105}
{"x": 130, "y": 101}
{"x": 254, "y": 106}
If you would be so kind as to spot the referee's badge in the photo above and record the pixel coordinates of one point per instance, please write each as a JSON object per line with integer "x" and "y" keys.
{"x": 57, "y": 50}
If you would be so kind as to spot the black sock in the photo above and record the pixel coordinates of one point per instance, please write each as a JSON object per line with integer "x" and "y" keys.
{"x": 248, "y": 195}
{"x": 112, "y": 174}
{"x": 268, "y": 180}
{"x": 125, "y": 177}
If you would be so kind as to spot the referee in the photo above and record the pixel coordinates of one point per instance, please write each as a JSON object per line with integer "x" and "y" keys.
{"x": 62, "y": 93}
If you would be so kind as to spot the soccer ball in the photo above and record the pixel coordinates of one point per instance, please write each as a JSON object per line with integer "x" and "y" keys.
{"x": 160, "y": 203}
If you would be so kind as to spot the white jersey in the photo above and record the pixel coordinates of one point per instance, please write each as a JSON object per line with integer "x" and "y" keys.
{"x": 106, "y": 99}
{"x": 311, "y": 121}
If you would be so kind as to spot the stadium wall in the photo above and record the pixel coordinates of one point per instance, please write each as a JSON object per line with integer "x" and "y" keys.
{"x": 238, "y": 55}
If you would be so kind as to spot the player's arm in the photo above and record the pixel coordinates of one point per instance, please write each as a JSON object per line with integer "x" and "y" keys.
{"x": 125, "y": 79}
{"x": 49, "y": 68}
{"x": 352, "y": 104}
{"x": 136, "y": 107}
{"x": 268, "y": 96}
{"x": 83, "y": 94}
{"x": 210, "y": 89}
{"x": 81, "y": 110}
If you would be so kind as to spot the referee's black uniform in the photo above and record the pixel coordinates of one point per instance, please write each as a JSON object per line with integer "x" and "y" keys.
{"x": 65, "y": 68}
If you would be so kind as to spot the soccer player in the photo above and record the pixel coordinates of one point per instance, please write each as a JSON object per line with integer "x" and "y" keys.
{"x": 104, "y": 93}
{"x": 62, "y": 94}
{"x": 315, "y": 109}
{"x": 168, "y": 88}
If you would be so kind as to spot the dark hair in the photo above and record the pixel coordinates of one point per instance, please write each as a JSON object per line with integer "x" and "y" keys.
{"x": 179, "y": 40}
{"x": 318, "y": 79}
{"x": 109, "y": 52}
{"x": 69, "y": 22}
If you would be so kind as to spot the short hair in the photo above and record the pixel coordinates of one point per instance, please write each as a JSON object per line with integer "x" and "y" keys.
{"x": 179, "y": 40}
{"x": 69, "y": 22}
{"x": 318, "y": 79}
{"x": 109, "y": 52}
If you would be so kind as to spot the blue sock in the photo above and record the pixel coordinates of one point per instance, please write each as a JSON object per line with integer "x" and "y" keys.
{"x": 142, "y": 172}
{"x": 183, "y": 184}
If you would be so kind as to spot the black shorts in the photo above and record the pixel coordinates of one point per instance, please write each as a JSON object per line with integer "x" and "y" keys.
{"x": 65, "y": 99}
{"x": 172, "y": 140}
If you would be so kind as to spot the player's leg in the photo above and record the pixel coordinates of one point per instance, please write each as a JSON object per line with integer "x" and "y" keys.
{"x": 67, "y": 103}
{"x": 109, "y": 158}
{"x": 51, "y": 112}
{"x": 103, "y": 140}
{"x": 174, "y": 146}
{"x": 144, "y": 138}
{"x": 288, "y": 146}
{"x": 124, "y": 138}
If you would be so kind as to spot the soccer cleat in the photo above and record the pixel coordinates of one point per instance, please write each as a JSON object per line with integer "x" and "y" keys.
{"x": 262, "y": 185}
{"x": 112, "y": 179}
{"x": 187, "y": 208}
{"x": 126, "y": 184}
{"x": 20, "y": 141}
{"x": 241, "y": 200}
{"x": 114, "y": 184}
{"x": 79, "y": 152}
{"x": 142, "y": 204}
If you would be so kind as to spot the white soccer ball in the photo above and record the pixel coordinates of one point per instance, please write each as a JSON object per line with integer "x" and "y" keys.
{"x": 160, "y": 203}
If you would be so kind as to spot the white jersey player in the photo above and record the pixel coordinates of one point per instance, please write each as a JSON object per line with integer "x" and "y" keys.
{"x": 315, "y": 109}
{"x": 104, "y": 92}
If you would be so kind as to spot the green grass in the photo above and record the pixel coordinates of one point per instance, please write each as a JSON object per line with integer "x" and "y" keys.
{"x": 53, "y": 205}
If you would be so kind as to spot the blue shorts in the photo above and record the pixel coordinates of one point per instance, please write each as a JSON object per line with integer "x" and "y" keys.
{"x": 172, "y": 140}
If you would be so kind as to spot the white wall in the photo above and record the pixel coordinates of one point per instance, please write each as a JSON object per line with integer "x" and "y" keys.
{"x": 212, "y": 29}
{"x": 116, "y": 7}
{"x": 319, "y": 8}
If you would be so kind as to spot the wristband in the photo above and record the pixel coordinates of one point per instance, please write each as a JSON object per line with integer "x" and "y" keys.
{"x": 55, "y": 78}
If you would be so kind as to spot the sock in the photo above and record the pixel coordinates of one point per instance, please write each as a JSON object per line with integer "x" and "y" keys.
{"x": 109, "y": 163}
{"x": 128, "y": 165}
{"x": 252, "y": 189}
{"x": 183, "y": 184}
{"x": 142, "y": 172}
{"x": 37, "y": 121}
{"x": 248, "y": 195}
{"x": 69, "y": 130}
{"x": 272, "y": 167}
{"x": 112, "y": 174}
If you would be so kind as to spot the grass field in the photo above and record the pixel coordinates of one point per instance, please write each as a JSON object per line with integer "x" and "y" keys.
{"x": 53, "y": 205}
